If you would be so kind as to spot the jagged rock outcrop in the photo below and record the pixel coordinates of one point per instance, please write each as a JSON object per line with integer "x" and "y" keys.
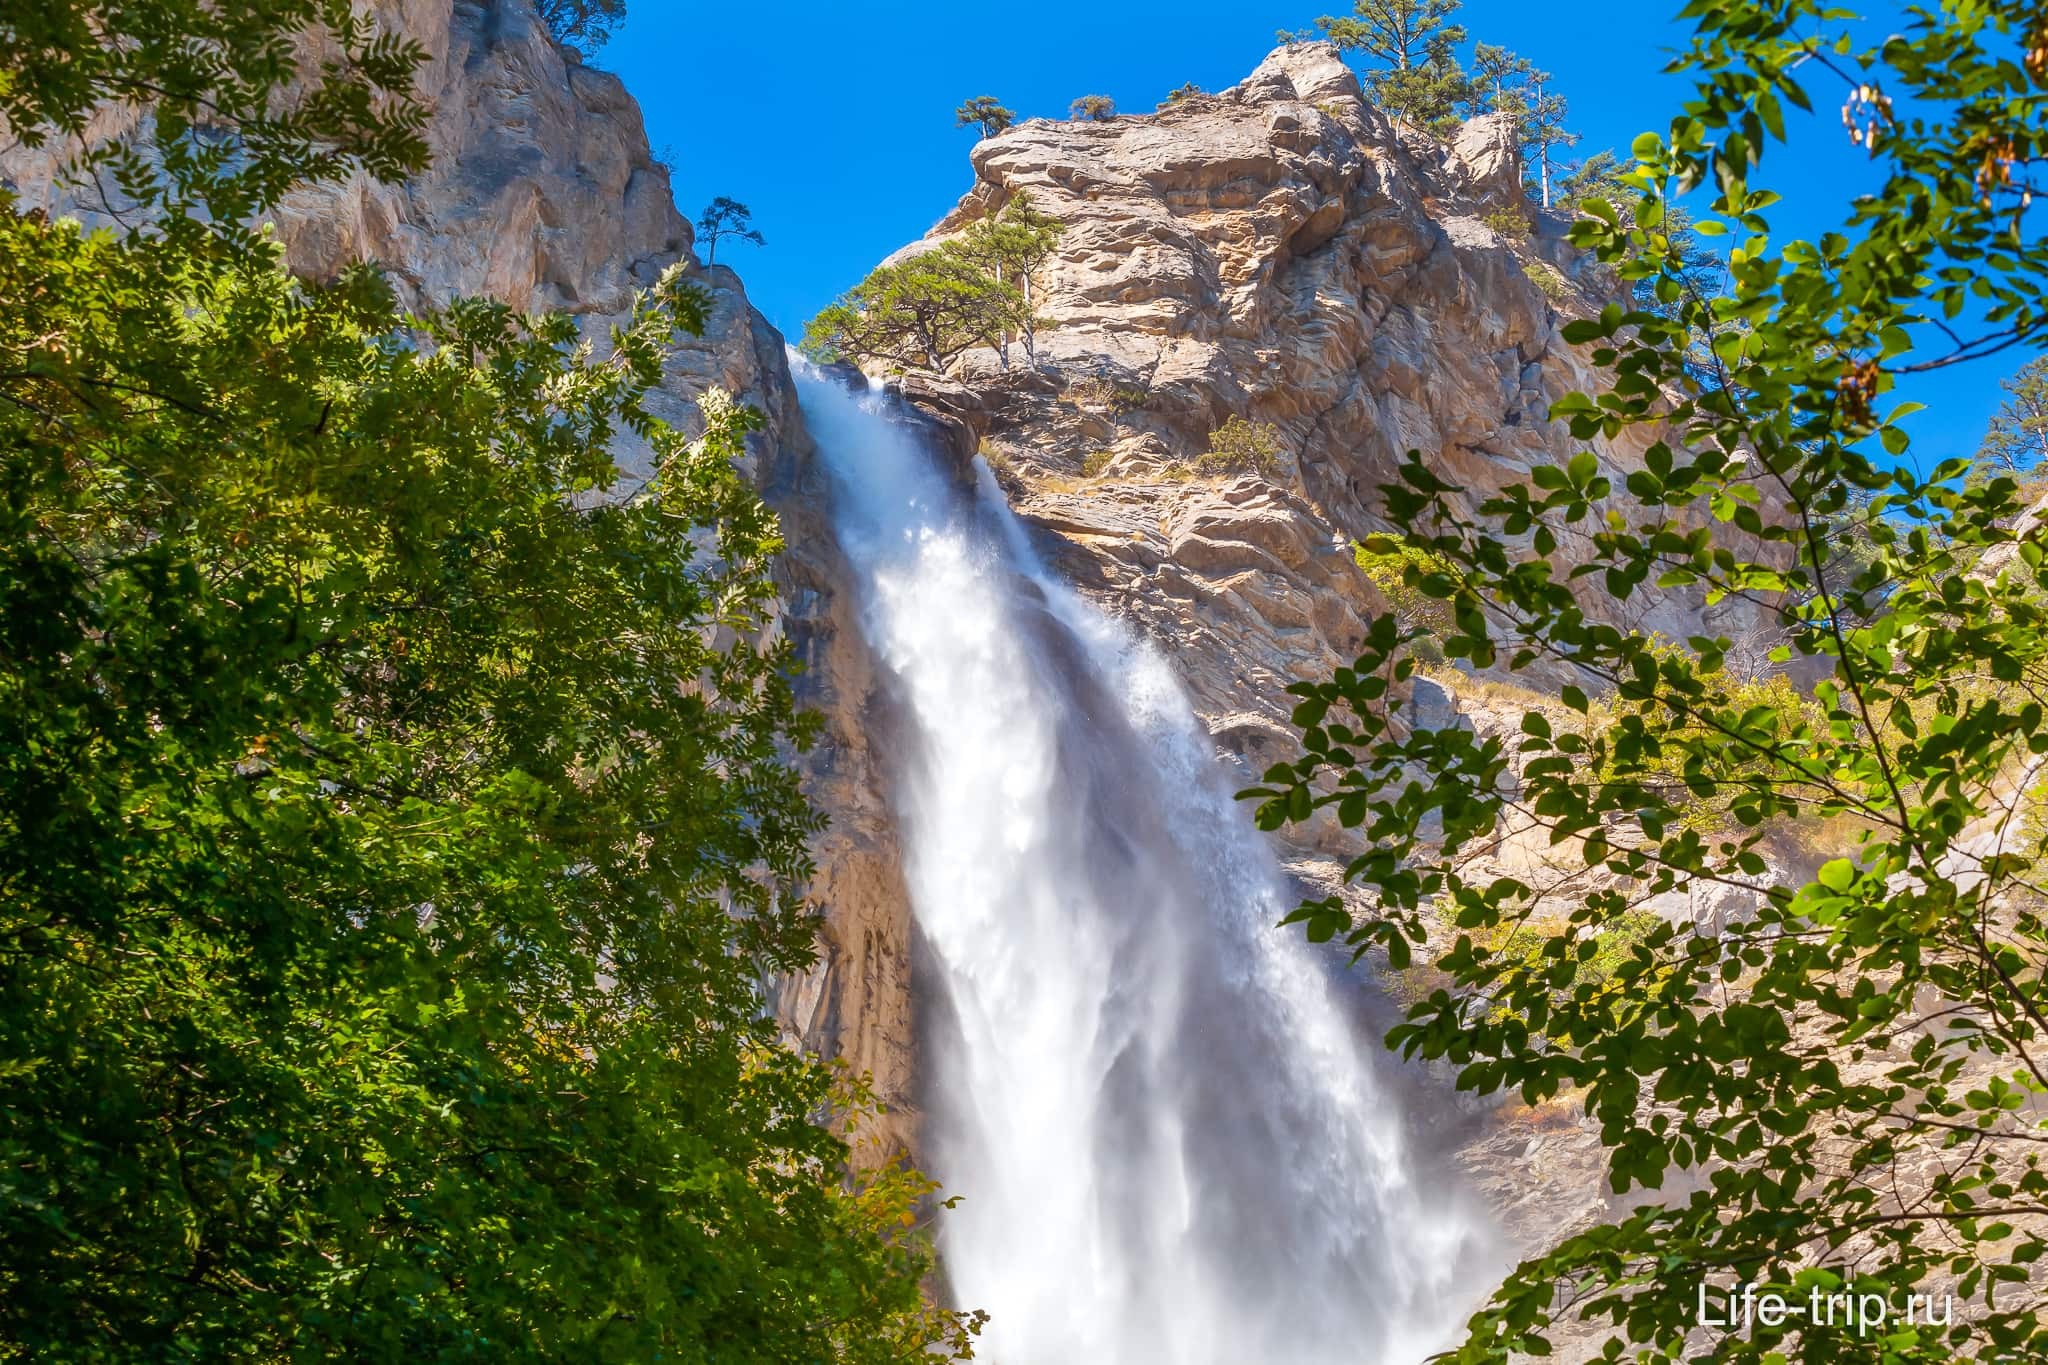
{"x": 1282, "y": 253}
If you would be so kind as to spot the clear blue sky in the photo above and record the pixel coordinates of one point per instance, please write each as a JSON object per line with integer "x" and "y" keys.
{"x": 833, "y": 121}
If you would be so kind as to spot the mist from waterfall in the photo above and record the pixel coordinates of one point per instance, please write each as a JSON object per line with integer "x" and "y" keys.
{"x": 1170, "y": 1139}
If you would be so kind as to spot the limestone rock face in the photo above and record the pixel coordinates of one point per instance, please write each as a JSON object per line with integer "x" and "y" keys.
{"x": 1484, "y": 163}
{"x": 1279, "y": 252}
{"x": 542, "y": 190}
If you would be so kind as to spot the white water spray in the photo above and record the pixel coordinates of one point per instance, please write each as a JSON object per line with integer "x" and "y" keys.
{"x": 1169, "y": 1141}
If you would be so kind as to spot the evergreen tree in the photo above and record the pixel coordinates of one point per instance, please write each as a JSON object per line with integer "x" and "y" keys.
{"x": 1099, "y": 108}
{"x": 1428, "y": 94}
{"x": 918, "y": 313}
{"x": 1600, "y": 176}
{"x": 1010, "y": 247}
{"x": 2017, "y": 440}
{"x": 1417, "y": 78}
{"x": 1543, "y": 131}
{"x": 1395, "y": 33}
{"x": 1497, "y": 77}
{"x": 1180, "y": 94}
{"x": 985, "y": 113}
{"x": 722, "y": 218}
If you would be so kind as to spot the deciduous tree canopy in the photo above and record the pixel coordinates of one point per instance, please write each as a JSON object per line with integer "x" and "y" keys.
{"x": 1844, "y": 1081}
{"x": 395, "y": 821}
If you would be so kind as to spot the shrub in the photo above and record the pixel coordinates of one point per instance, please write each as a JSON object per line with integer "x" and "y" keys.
{"x": 1100, "y": 108}
{"x": 1511, "y": 223}
{"x": 1241, "y": 447}
{"x": 1547, "y": 279}
{"x": 1181, "y": 95}
{"x": 1096, "y": 463}
{"x": 1768, "y": 709}
{"x": 1099, "y": 391}
{"x": 1577, "y": 958}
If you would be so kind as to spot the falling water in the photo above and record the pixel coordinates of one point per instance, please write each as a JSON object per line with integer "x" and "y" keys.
{"x": 1170, "y": 1143}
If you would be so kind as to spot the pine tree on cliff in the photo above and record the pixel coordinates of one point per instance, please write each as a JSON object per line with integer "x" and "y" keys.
{"x": 1418, "y": 80}
{"x": 1428, "y": 94}
{"x": 984, "y": 112}
{"x": 725, "y": 217}
{"x": 1010, "y": 247}
{"x": 1396, "y": 32}
{"x": 1497, "y": 76}
{"x": 2018, "y": 439}
{"x": 1542, "y": 123}
{"x": 1100, "y": 108}
{"x": 918, "y": 313}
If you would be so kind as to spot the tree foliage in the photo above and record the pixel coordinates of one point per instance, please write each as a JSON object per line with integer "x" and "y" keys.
{"x": 1604, "y": 177}
{"x": 1540, "y": 120}
{"x": 1011, "y": 247}
{"x": 986, "y": 113}
{"x": 394, "y": 822}
{"x": 1845, "y": 1081}
{"x": 1498, "y": 76}
{"x": 918, "y": 313}
{"x": 723, "y": 218}
{"x": 1241, "y": 447}
{"x": 1394, "y": 33}
{"x": 2017, "y": 440}
{"x": 1430, "y": 93}
{"x": 583, "y": 24}
{"x": 1399, "y": 568}
{"x": 924, "y": 311}
{"x": 1412, "y": 45}
{"x": 231, "y": 126}
{"x": 1096, "y": 108}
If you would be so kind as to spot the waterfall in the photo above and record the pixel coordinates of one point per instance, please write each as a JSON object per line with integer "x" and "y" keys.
{"x": 1170, "y": 1138}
